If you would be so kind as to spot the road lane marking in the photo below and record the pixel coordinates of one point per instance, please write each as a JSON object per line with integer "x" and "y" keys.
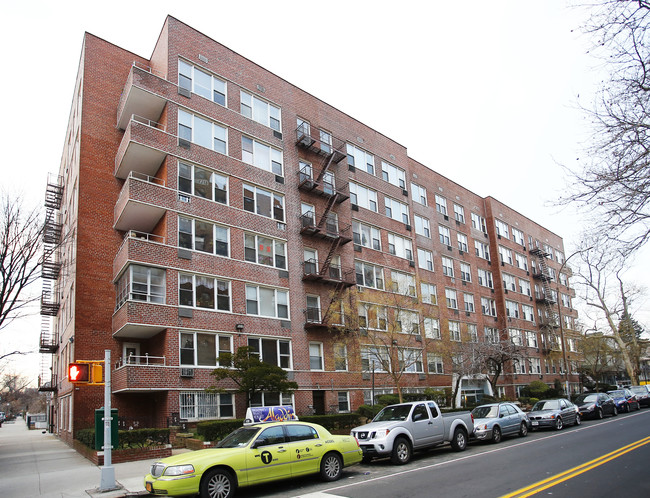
{"x": 575, "y": 471}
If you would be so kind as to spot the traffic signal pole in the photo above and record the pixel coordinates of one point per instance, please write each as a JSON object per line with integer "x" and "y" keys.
{"x": 107, "y": 481}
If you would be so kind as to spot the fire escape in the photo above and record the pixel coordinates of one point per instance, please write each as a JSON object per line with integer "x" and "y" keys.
{"x": 548, "y": 318}
{"x": 50, "y": 271}
{"x": 322, "y": 182}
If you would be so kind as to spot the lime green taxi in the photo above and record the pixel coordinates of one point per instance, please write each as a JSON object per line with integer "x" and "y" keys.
{"x": 254, "y": 454}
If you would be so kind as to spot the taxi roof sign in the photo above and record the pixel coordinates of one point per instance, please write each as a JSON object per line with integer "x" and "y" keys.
{"x": 265, "y": 414}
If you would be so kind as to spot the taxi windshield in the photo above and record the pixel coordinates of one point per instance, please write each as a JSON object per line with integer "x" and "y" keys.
{"x": 239, "y": 438}
{"x": 397, "y": 412}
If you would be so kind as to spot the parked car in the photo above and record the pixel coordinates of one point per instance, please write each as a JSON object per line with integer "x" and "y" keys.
{"x": 642, "y": 394}
{"x": 494, "y": 420}
{"x": 398, "y": 430}
{"x": 554, "y": 413}
{"x": 596, "y": 405}
{"x": 625, "y": 400}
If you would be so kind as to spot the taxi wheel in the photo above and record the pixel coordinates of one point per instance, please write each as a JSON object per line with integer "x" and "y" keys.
{"x": 217, "y": 483}
{"x": 331, "y": 467}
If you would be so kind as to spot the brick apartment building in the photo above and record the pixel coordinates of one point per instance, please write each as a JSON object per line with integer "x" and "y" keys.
{"x": 203, "y": 204}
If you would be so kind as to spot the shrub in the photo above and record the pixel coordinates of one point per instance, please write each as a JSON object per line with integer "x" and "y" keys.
{"x": 216, "y": 430}
{"x": 368, "y": 412}
{"x": 136, "y": 438}
{"x": 387, "y": 399}
{"x": 339, "y": 422}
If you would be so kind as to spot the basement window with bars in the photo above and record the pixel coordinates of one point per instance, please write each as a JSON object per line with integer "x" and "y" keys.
{"x": 202, "y": 406}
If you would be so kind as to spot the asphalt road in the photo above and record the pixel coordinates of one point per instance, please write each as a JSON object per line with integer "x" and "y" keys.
{"x": 600, "y": 458}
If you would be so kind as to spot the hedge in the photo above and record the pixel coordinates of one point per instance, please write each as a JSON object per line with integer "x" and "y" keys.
{"x": 336, "y": 422}
{"x": 136, "y": 438}
{"x": 216, "y": 430}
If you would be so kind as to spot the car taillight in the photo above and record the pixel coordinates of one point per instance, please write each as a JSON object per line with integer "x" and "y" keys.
{"x": 358, "y": 445}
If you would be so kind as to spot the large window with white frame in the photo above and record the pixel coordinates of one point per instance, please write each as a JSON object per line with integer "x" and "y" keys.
{"x": 366, "y": 235}
{"x": 447, "y": 266}
{"x": 459, "y": 213}
{"x": 201, "y": 83}
{"x": 462, "y": 242}
{"x": 485, "y": 278}
{"x": 375, "y": 358}
{"x": 492, "y": 335}
{"x": 425, "y": 259}
{"x": 505, "y": 254}
{"x": 488, "y": 306}
{"x": 515, "y": 337}
{"x": 361, "y": 159}
{"x": 407, "y": 322}
{"x": 410, "y": 360}
{"x": 200, "y": 291}
{"x": 261, "y": 155}
{"x": 200, "y": 405}
{"x": 422, "y": 226}
{"x": 265, "y": 250}
{"x": 203, "y": 183}
{"x": 396, "y": 210}
{"x": 263, "y": 202}
{"x": 518, "y": 236}
{"x": 202, "y": 132}
{"x": 272, "y": 351}
{"x": 468, "y": 299}
{"x": 445, "y": 235}
{"x": 267, "y": 301}
{"x": 363, "y": 197}
{"x": 272, "y": 399}
{"x": 472, "y": 331}
{"x": 482, "y": 250}
{"x": 393, "y": 174}
{"x": 441, "y": 204}
{"x": 435, "y": 364}
{"x": 509, "y": 282}
{"x": 316, "y": 360}
{"x": 452, "y": 298}
{"x": 402, "y": 283}
{"x": 400, "y": 246}
{"x": 502, "y": 229}
{"x": 454, "y": 331}
{"x": 419, "y": 194}
{"x": 203, "y": 236}
{"x": 203, "y": 349}
{"x": 524, "y": 287}
{"x": 465, "y": 272}
{"x": 428, "y": 293}
{"x": 431, "y": 328}
{"x": 260, "y": 110}
{"x": 343, "y": 401}
{"x": 478, "y": 222}
{"x": 340, "y": 357}
{"x": 528, "y": 312}
{"x": 141, "y": 283}
{"x": 372, "y": 316}
{"x": 521, "y": 261}
{"x": 535, "y": 366}
{"x": 369, "y": 275}
{"x": 512, "y": 309}
{"x": 531, "y": 339}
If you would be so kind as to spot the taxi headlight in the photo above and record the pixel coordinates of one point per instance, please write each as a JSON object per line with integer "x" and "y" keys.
{"x": 179, "y": 470}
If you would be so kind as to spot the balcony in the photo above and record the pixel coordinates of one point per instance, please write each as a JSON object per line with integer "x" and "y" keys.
{"x": 139, "y": 97}
{"x": 540, "y": 275}
{"x": 326, "y": 229}
{"x": 54, "y": 192}
{"x": 140, "y": 150}
{"x": 335, "y": 274}
{"x": 325, "y": 188}
{"x": 334, "y": 150}
{"x": 143, "y": 320}
{"x": 135, "y": 208}
{"x": 142, "y": 248}
{"x": 314, "y": 318}
{"x": 543, "y": 297}
{"x": 47, "y": 385}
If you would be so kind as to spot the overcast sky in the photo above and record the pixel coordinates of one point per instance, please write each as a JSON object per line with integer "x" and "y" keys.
{"x": 485, "y": 93}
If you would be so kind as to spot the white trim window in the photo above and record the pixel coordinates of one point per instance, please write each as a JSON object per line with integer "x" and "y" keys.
{"x": 459, "y": 213}
{"x": 263, "y": 202}
{"x": 431, "y": 328}
{"x": 452, "y": 298}
{"x": 524, "y": 287}
{"x": 200, "y": 291}
{"x": 141, "y": 283}
{"x": 402, "y": 283}
{"x": 531, "y": 339}
{"x": 340, "y": 351}
{"x": 435, "y": 364}
{"x": 425, "y": 259}
{"x": 502, "y": 229}
{"x": 512, "y": 309}
{"x": 265, "y": 250}
{"x": 260, "y": 110}
{"x": 521, "y": 261}
{"x": 428, "y": 293}
{"x": 419, "y": 194}
{"x": 472, "y": 331}
{"x": 518, "y": 236}
{"x": 462, "y": 242}
{"x": 488, "y": 306}
{"x": 465, "y": 272}
{"x": 441, "y": 204}
{"x": 202, "y": 132}
{"x": 445, "y": 235}
{"x": 564, "y": 280}
{"x": 267, "y": 301}
{"x": 200, "y": 405}
{"x": 316, "y": 360}
{"x": 201, "y": 83}
{"x": 478, "y": 222}
{"x": 492, "y": 335}
{"x": 272, "y": 351}
{"x": 344, "y": 401}
{"x": 203, "y": 236}
{"x": 410, "y": 360}
{"x": 361, "y": 159}
{"x": 407, "y": 322}
{"x": 527, "y": 313}
{"x": 482, "y": 250}
{"x": 485, "y": 278}
{"x": 400, "y": 246}
{"x": 468, "y": 299}
{"x": 363, "y": 197}
{"x": 366, "y": 235}
{"x": 454, "y": 331}
{"x": 447, "y": 266}
{"x": 509, "y": 282}
{"x": 396, "y": 210}
{"x": 559, "y": 257}
{"x": 325, "y": 140}
{"x": 202, "y": 183}
{"x": 369, "y": 275}
{"x": 505, "y": 254}
{"x": 565, "y": 299}
{"x": 375, "y": 356}
{"x": 261, "y": 155}
{"x": 372, "y": 316}
{"x": 535, "y": 366}
{"x": 203, "y": 349}
{"x": 422, "y": 226}
{"x": 393, "y": 175}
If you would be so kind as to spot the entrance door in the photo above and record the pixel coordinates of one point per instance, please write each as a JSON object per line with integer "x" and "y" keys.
{"x": 131, "y": 353}
{"x": 319, "y": 402}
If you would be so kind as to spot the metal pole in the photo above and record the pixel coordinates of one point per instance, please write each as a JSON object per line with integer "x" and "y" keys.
{"x": 107, "y": 481}
{"x": 372, "y": 401}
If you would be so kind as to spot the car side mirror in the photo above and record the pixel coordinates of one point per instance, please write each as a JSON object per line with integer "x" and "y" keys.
{"x": 502, "y": 415}
{"x": 257, "y": 443}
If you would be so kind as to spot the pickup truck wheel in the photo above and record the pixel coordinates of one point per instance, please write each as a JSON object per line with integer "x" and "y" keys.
{"x": 217, "y": 483}
{"x": 496, "y": 434}
{"x": 366, "y": 459}
{"x": 401, "y": 451}
{"x": 331, "y": 467}
{"x": 459, "y": 441}
{"x": 523, "y": 430}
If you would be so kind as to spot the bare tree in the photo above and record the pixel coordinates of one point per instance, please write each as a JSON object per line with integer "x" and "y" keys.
{"x": 466, "y": 363}
{"x": 599, "y": 356}
{"x": 16, "y": 394}
{"x": 495, "y": 354}
{"x": 613, "y": 185}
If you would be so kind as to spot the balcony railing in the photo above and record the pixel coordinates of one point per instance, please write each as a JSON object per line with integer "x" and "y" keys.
{"x": 143, "y": 361}
{"x": 306, "y": 140}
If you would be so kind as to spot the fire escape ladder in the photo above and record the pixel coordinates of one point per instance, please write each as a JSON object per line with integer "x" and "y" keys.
{"x": 336, "y": 295}
{"x": 545, "y": 278}
{"x": 326, "y": 164}
{"x": 326, "y": 215}
{"x": 328, "y": 260}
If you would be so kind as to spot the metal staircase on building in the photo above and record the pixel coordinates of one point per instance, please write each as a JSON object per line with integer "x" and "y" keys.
{"x": 549, "y": 321}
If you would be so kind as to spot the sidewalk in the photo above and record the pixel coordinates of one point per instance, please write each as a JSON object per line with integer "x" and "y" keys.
{"x": 37, "y": 464}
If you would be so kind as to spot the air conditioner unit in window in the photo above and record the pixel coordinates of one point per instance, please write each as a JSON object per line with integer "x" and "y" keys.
{"x": 412, "y": 263}
{"x": 187, "y": 372}
{"x": 184, "y": 92}
{"x": 183, "y": 198}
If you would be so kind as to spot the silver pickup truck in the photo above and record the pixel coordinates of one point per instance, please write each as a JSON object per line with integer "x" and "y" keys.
{"x": 398, "y": 430}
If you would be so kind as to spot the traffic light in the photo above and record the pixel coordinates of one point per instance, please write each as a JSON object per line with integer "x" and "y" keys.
{"x": 79, "y": 372}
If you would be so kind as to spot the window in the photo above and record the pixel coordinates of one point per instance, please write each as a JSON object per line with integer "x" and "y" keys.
{"x": 363, "y": 197}
{"x": 434, "y": 364}
{"x": 431, "y": 328}
{"x": 502, "y": 229}
{"x": 366, "y": 235}
{"x": 202, "y": 183}
{"x": 141, "y": 283}
{"x": 505, "y": 254}
{"x": 271, "y": 399}
{"x": 396, "y": 210}
{"x": 482, "y": 250}
{"x": 447, "y": 266}
{"x": 519, "y": 366}
{"x": 469, "y": 302}
{"x": 527, "y": 313}
{"x": 402, "y": 283}
{"x": 265, "y": 250}
{"x": 559, "y": 256}
{"x": 465, "y": 272}
{"x": 265, "y": 301}
{"x": 485, "y": 278}
{"x": 566, "y": 300}
{"x": 459, "y": 213}
{"x": 369, "y": 275}
{"x": 422, "y": 226}
{"x": 521, "y": 261}
{"x": 462, "y": 242}
{"x": 344, "y": 401}
{"x": 410, "y": 360}
{"x": 202, "y": 132}
{"x": 454, "y": 331}
{"x": 400, "y": 246}
{"x": 313, "y": 309}
{"x": 445, "y": 235}
{"x": 535, "y": 366}
{"x": 393, "y": 174}
{"x": 407, "y": 322}
{"x": 259, "y": 110}
{"x": 340, "y": 357}
{"x": 509, "y": 282}
{"x": 425, "y": 259}
{"x": 201, "y": 405}
{"x": 472, "y": 331}
{"x": 452, "y": 300}
{"x": 564, "y": 280}
{"x": 325, "y": 141}
{"x": 198, "y": 349}
{"x": 372, "y": 316}
{"x": 272, "y": 351}
{"x": 419, "y": 194}
{"x": 203, "y": 236}
{"x": 512, "y": 309}
{"x": 531, "y": 339}
{"x": 201, "y": 83}
{"x": 375, "y": 359}
{"x": 568, "y": 322}
{"x": 488, "y": 306}
{"x": 441, "y": 204}
{"x": 263, "y": 202}
{"x": 518, "y": 236}
{"x": 428, "y": 293}
{"x": 316, "y": 356}
{"x": 361, "y": 159}
{"x": 524, "y": 287}
{"x": 492, "y": 335}
{"x": 478, "y": 222}
{"x": 198, "y": 291}
{"x": 263, "y": 156}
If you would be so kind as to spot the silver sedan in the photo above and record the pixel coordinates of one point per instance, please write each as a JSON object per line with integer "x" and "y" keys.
{"x": 495, "y": 420}
{"x": 554, "y": 413}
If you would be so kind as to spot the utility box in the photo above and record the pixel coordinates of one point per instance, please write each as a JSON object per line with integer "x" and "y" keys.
{"x": 99, "y": 429}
